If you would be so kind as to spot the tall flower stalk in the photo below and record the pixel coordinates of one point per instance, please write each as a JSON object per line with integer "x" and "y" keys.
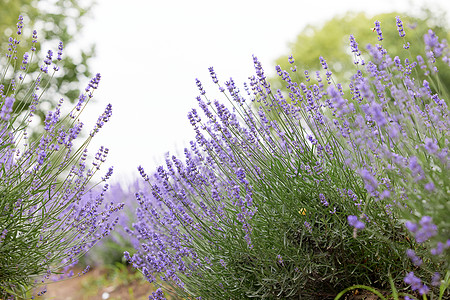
{"x": 44, "y": 225}
{"x": 305, "y": 191}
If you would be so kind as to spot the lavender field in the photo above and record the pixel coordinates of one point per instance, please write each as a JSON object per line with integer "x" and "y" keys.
{"x": 315, "y": 184}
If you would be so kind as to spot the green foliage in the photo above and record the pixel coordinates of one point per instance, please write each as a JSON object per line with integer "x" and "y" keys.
{"x": 55, "y": 21}
{"x": 45, "y": 225}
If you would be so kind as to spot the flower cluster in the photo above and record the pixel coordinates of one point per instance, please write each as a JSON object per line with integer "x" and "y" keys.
{"x": 225, "y": 220}
{"x": 44, "y": 224}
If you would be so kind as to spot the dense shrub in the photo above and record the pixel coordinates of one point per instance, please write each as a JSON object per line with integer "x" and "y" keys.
{"x": 300, "y": 194}
{"x": 44, "y": 224}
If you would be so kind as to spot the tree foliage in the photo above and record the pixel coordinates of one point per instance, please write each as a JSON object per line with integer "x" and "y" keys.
{"x": 55, "y": 21}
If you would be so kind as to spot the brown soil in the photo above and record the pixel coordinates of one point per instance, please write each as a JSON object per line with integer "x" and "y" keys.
{"x": 86, "y": 287}
{"x": 93, "y": 285}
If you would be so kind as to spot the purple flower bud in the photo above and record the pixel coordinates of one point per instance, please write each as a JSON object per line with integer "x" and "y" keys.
{"x": 60, "y": 49}
{"x": 323, "y": 200}
{"x": 5, "y": 112}
{"x": 280, "y": 259}
{"x": 414, "y": 258}
{"x": 200, "y": 86}
{"x": 371, "y": 183}
{"x": 438, "y": 250}
{"x": 411, "y": 226}
{"x": 3, "y": 235}
{"x": 291, "y": 59}
{"x": 308, "y": 226}
{"x": 354, "y": 222}
{"x": 416, "y": 169}
{"x": 431, "y": 145}
{"x": 354, "y": 46}
{"x": 436, "y": 279}
{"x": 157, "y": 295}
{"x": 213, "y": 75}
{"x": 20, "y": 25}
{"x": 427, "y": 230}
{"x": 429, "y": 186}
{"x": 25, "y": 61}
{"x": 401, "y": 32}
{"x": 48, "y": 58}
{"x": 378, "y": 30}
{"x": 323, "y": 63}
{"x": 414, "y": 281}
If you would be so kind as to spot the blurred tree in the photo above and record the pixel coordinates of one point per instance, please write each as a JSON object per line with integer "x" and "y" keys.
{"x": 55, "y": 21}
{"x": 331, "y": 41}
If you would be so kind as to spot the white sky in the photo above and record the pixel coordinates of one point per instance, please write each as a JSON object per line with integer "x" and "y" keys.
{"x": 150, "y": 52}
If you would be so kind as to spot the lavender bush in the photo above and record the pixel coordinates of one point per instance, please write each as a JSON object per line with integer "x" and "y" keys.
{"x": 44, "y": 225}
{"x": 302, "y": 194}
{"x": 109, "y": 251}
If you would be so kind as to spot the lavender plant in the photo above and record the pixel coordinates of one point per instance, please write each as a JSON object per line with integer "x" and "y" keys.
{"x": 44, "y": 225}
{"x": 301, "y": 194}
{"x": 109, "y": 251}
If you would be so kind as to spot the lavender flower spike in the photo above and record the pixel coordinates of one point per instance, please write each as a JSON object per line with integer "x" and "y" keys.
{"x": 354, "y": 222}
{"x": 401, "y": 32}
{"x": 378, "y": 30}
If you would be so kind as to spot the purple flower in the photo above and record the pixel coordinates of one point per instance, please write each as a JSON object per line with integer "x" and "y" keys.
{"x": 371, "y": 184}
{"x": 336, "y": 98}
{"x": 401, "y": 32}
{"x": 424, "y": 289}
{"x": 377, "y": 114}
{"x": 308, "y": 226}
{"x": 430, "y": 186}
{"x": 323, "y": 200}
{"x": 436, "y": 279}
{"x": 376, "y": 53}
{"x": 413, "y": 257}
{"x": 291, "y": 59}
{"x": 93, "y": 84}
{"x": 431, "y": 145}
{"x": 102, "y": 119}
{"x": 157, "y": 295}
{"x": 3, "y": 235}
{"x": 411, "y": 226}
{"x": 48, "y": 58}
{"x": 25, "y": 61}
{"x": 213, "y": 75}
{"x": 416, "y": 169}
{"x": 60, "y": 49}
{"x": 323, "y": 63}
{"x": 412, "y": 280}
{"x": 280, "y": 259}
{"x": 200, "y": 86}
{"x": 432, "y": 44}
{"x": 438, "y": 250}
{"x": 20, "y": 25}
{"x": 378, "y": 30}
{"x": 354, "y": 46}
{"x": 354, "y": 222}
{"x": 307, "y": 78}
{"x": 34, "y": 41}
{"x": 5, "y": 112}
{"x": 222, "y": 263}
{"x": 427, "y": 230}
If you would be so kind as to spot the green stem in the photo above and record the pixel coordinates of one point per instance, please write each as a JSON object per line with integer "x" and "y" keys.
{"x": 359, "y": 286}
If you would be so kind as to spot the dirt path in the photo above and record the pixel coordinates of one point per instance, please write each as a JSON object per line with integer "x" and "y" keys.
{"x": 94, "y": 286}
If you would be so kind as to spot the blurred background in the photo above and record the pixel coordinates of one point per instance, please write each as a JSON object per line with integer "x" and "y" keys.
{"x": 150, "y": 53}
